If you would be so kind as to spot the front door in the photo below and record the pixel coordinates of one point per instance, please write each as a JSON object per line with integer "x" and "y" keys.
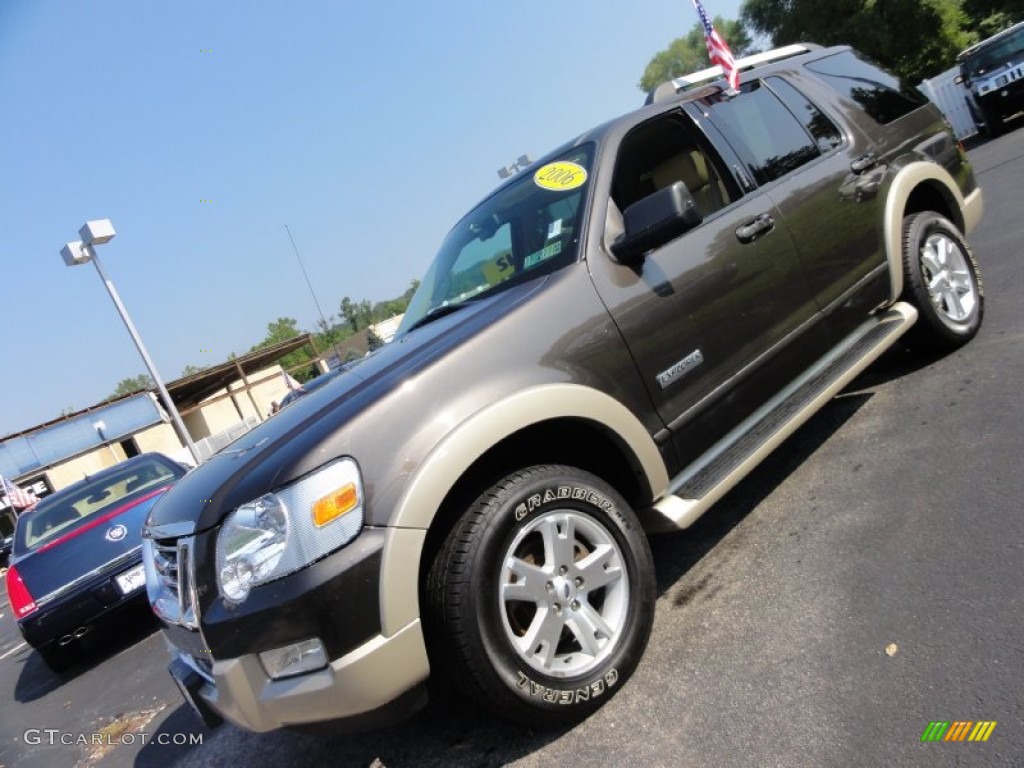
{"x": 705, "y": 314}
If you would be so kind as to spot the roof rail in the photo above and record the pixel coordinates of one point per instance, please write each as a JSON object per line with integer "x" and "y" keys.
{"x": 686, "y": 82}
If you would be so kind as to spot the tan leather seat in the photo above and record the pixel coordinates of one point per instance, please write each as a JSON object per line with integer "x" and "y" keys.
{"x": 691, "y": 168}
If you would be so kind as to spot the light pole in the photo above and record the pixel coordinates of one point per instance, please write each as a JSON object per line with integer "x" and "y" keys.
{"x": 82, "y": 251}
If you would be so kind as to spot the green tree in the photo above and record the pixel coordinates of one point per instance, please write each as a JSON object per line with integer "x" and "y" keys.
{"x": 282, "y": 329}
{"x": 190, "y": 370}
{"x": 373, "y": 341}
{"x": 690, "y": 54}
{"x": 358, "y": 314}
{"x": 914, "y": 38}
{"x": 990, "y": 16}
{"x": 279, "y": 330}
{"x": 133, "y": 384}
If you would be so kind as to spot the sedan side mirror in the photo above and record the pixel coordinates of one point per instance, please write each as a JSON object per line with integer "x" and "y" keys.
{"x": 654, "y": 221}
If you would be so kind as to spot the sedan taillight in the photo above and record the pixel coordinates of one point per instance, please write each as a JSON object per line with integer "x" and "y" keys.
{"x": 18, "y": 594}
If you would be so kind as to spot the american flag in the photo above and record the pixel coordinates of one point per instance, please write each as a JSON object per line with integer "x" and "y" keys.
{"x": 718, "y": 50}
{"x": 16, "y": 497}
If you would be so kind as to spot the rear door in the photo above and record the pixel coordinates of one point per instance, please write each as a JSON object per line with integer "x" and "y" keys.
{"x": 826, "y": 182}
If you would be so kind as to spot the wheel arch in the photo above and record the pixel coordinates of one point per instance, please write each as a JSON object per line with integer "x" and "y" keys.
{"x": 919, "y": 186}
{"x": 571, "y": 424}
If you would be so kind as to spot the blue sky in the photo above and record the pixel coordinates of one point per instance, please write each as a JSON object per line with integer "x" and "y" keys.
{"x": 202, "y": 128}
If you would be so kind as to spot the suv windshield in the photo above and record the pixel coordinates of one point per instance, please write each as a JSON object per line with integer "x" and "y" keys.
{"x": 528, "y": 228}
{"x": 992, "y": 56}
{"x": 69, "y": 509}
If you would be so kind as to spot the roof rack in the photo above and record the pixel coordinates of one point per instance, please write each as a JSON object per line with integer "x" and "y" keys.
{"x": 686, "y": 82}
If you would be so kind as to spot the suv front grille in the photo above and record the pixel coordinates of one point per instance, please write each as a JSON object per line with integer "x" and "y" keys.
{"x": 168, "y": 579}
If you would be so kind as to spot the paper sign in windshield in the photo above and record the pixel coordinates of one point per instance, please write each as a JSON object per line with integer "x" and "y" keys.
{"x": 499, "y": 269}
{"x": 560, "y": 176}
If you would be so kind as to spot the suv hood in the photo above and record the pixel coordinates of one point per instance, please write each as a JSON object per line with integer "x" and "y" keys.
{"x": 283, "y": 448}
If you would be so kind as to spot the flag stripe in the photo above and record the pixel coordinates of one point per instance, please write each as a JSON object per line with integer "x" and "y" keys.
{"x": 718, "y": 49}
{"x": 16, "y": 496}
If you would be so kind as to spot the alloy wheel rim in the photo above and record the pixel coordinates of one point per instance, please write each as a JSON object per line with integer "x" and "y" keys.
{"x": 563, "y": 594}
{"x": 948, "y": 278}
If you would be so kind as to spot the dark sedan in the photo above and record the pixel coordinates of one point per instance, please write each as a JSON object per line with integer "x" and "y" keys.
{"x": 77, "y": 555}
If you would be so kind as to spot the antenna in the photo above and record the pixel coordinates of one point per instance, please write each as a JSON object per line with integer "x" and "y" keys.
{"x": 303, "y": 268}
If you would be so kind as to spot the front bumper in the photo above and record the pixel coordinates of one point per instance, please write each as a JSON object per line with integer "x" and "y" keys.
{"x": 353, "y": 601}
{"x": 1003, "y": 101}
{"x": 361, "y": 686}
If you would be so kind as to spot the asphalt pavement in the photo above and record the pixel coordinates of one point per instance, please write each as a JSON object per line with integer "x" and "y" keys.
{"x": 864, "y": 581}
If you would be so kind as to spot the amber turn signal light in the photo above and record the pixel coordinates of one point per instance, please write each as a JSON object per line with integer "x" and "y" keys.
{"x": 335, "y": 504}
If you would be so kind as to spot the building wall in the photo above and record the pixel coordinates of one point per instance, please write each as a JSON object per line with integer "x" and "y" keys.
{"x": 270, "y": 388}
{"x": 268, "y": 385}
{"x": 160, "y": 438}
{"x": 73, "y": 470}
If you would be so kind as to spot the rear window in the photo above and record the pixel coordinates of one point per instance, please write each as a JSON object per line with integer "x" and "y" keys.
{"x": 882, "y": 95}
{"x": 66, "y": 510}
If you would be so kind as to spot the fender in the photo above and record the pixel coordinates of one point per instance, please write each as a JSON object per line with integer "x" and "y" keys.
{"x": 910, "y": 177}
{"x": 449, "y": 460}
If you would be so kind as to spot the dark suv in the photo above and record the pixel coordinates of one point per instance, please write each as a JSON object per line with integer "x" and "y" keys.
{"x": 993, "y": 72}
{"x": 601, "y": 348}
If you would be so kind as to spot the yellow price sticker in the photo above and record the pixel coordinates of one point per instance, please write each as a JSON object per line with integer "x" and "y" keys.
{"x": 560, "y": 176}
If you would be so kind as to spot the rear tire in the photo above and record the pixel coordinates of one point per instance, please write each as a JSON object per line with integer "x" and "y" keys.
{"x": 540, "y": 601}
{"x": 942, "y": 280}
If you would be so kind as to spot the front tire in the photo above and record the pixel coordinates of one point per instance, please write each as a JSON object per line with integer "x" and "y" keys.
{"x": 994, "y": 126}
{"x": 942, "y": 280}
{"x": 541, "y": 600}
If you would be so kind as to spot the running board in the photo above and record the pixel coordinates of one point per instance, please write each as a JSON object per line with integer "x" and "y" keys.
{"x": 713, "y": 474}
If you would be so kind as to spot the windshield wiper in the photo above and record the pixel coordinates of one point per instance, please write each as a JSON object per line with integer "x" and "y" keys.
{"x": 435, "y": 312}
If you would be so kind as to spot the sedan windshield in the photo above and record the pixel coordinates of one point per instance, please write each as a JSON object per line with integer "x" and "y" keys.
{"x": 528, "y": 228}
{"x": 989, "y": 57}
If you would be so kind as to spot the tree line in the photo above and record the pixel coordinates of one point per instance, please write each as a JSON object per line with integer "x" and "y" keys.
{"x": 916, "y": 39}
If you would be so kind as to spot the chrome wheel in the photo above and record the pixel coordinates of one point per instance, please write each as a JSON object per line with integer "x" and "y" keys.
{"x": 564, "y": 593}
{"x": 948, "y": 278}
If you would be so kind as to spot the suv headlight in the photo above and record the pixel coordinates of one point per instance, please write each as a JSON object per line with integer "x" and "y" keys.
{"x": 281, "y": 532}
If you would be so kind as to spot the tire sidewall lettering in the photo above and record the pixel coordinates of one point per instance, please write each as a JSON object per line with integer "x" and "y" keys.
{"x": 564, "y": 696}
{"x": 563, "y": 493}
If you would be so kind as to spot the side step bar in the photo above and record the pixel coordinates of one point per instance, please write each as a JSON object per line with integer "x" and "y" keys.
{"x": 710, "y": 477}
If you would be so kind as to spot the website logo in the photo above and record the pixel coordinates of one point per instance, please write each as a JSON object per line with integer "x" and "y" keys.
{"x": 958, "y": 730}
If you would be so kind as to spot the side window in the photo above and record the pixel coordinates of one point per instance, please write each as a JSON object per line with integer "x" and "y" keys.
{"x": 880, "y": 95}
{"x": 663, "y": 151}
{"x": 775, "y": 141}
{"x": 826, "y": 134}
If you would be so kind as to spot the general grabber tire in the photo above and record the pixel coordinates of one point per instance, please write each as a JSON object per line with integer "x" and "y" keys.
{"x": 942, "y": 280}
{"x": 542, "y": 597}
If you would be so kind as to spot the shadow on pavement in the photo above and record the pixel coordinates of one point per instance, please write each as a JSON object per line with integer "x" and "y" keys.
{"x": 130, "y": 626}
{"x": 444, "y": 734}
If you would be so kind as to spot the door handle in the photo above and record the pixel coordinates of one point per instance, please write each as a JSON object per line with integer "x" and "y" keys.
{"x": 755, "y": 228}
{"x": 864, "y": 163}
